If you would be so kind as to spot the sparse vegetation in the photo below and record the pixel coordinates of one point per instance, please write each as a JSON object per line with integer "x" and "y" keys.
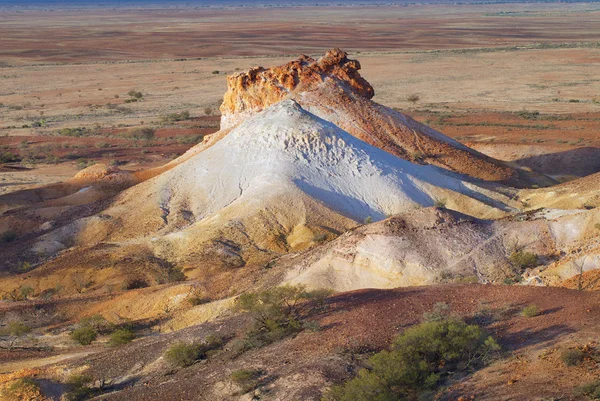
{"x": 9, "y": 157}
{"x": 530, "y": 311}
{"x": 278, "y": 312}
{"x": 84, "y": 335}
{"x": 413, "y": 98}
{"x": 98, "y": 323}
{"x": 421, "y": 358}
{"x": 174, "y": 117}
{"x": 572, "y": 357}
{"x": 523, "y": 259}
{"x": 8, "y": 236}
{"x": 21, "y": 389}
{"x": 79, "y": 389}
{"x": 15, "y": 329}
{"x": 121, "y": 337}
{"x": 135, "y": 94}
{"x": 440, "y": 202}
{"x": 247, "y": 379}
{"x": 185, "y": 354}
{"x": 590, "y": 390}
{"x": 143, "y": 133}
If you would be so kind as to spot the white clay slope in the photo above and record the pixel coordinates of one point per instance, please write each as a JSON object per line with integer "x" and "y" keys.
{"x": 285, "y": 145}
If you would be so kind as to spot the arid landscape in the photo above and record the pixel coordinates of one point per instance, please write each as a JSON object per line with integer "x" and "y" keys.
{"x": 299, "y": 203}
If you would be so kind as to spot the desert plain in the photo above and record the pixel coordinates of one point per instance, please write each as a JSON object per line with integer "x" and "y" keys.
{"x": 135, "y": 89}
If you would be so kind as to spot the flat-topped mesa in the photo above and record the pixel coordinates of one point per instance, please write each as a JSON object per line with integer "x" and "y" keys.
{"x": 251, "y": 91}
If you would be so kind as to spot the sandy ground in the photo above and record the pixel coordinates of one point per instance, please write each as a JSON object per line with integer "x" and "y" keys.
{"x": 93, "y": 59}
{"x": 107, "y": 35}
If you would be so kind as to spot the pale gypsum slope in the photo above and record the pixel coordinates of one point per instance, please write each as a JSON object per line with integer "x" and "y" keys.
{"x": 266, "y": 164}
{"x": 285, "y": 145}
{"x": 431, "y": 245}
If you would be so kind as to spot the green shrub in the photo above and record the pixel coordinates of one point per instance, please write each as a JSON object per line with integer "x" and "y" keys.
{"x": 215, "y": 72}
{"x": 591, "y": 390}
{"x": 77, "y": 132}
{"x": 441, "y": 203}
{"x": 135, "y": 94}
{"x": 184, "y": 354}
{"x": 8, "y": 157}
{"x": 21, "y": 387}
{"x": 190, "y": 139}
{"x": 8, "y": 236}
{"x": 414, "y": 98}
{"x": 78, "y": 388}
{"x": 98, "y": 323}
{"x": 196, "y": 300}
{"x": 247, "y": 379}
{"x": 173, "y": 117}
{"x": 15, "y": 329}
{"x": 440, "y": 312}
{"x": 523, "y": 259}
{"x": 26, "y": 291}
{"x": 84, "y": 335}
{"x": 530, "y": 311}
{"x": 144, "y": 133}
{"x": 120, "y": 337}
{"x": 84, "y": 163}
{"x": 420, "y": 359}
{"x": 572, "y": 357}
{"x": 278, "y": 312}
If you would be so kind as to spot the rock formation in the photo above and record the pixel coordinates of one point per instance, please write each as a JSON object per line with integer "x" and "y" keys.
{"x": 332, "y": 88}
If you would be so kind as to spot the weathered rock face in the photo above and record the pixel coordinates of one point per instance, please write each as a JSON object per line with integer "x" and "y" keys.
{"x": 332, "y": 89}
{"x": 258, "y": 88}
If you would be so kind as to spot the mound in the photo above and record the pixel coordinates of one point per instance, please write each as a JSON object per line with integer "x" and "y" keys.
{"x": 279, "y": 182}
{"x": 582, "y": 193}
{"x": 435, "y": 245}
{"x": 332, "y": 89}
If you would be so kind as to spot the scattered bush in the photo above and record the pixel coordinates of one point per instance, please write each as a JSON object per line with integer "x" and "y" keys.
{"x": 414, "y": 98}
{"x": 196, "y": 300}
{"x": 529, "y": 115}
{"x": 8, "y": 157}
{"x": 278, "y": 312}
{"x": 145, "y": 133}
{"x": 98, "y": 323}
{"x": 84, "y": 335}
{"x": 421, "y": 358}
{"x": 135, "y": 283}
{"x": 26, "y": 291}
{"x": 524, "y": 259}
{"x": 440, "y": 312}
{"x": 190, "y": 139}
{"x": 572, "y": 357}
{"x": 215, "y": 72}
{"x": 440, "y": 202}
{"x": 135, "y": 94}
{"x": 15, "y": 329}
{"x": 21, "y": 389}
{"x": 591, "y": 390}
{"x": 247, "y": 379}
{"x": 76, "y": 132}
{"x": 78, "y": 388}
{"x": 184, "y": 354}
{"x": 121, "y": 337}
{"x": 173, "y": 117}
{"x": 84, "y": 163}
{"x": 530, "y": 311}
{"x": 8, "y": 236}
